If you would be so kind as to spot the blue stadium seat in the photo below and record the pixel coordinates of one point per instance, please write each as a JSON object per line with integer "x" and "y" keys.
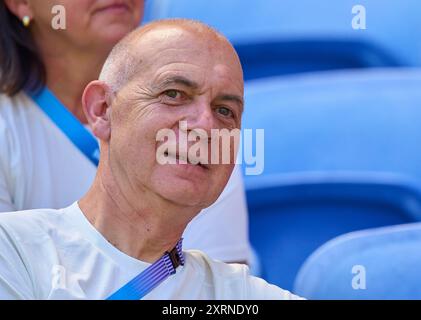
{"x": 308, "y": 32}
{"x": 361, "y": 124}
{"x": 290, "y": 217}
{"x": 281, "y": 57}
{"x": 381, "y": 263}
{"x": 359, "y": 121}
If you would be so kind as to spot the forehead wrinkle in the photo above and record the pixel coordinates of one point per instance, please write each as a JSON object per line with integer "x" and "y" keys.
{"x": 177, "y": 76}
{"x": 176, "y": 79}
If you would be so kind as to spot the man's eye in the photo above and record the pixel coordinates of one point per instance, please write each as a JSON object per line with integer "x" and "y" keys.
{"x": 174, "y": 94}
{"x": 225, "y": 112}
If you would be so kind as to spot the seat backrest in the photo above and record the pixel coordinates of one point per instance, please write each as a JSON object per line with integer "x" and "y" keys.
{"x": 358, "y": 121}
{"x": 382, "y": 263}
{"x": 281, "y": 56}
{"x": 392, "y": 25}
{"x": 324, "y": 124}
{"x": 291, "y": 217}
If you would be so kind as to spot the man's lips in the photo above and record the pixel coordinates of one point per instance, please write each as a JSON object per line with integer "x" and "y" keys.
{"x": 113, "y": 7}
{"x": 181, "y": 158}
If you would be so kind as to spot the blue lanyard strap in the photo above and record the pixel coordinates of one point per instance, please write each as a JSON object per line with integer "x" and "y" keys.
{"x": 152, "y": 276}
{"x": 68, "y": 124}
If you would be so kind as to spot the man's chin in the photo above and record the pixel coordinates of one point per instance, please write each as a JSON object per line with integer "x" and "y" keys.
{"x": 185, "y": 194}
{"x": 186, "y": 198}
{"x": 189, "y": 187}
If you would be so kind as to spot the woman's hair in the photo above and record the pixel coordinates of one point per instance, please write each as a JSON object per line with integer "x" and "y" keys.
{"x": 20, "y": 64}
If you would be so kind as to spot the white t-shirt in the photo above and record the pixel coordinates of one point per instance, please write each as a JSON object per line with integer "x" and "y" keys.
{"x": 41, "y": 168}
{"x": 58, "y": 254}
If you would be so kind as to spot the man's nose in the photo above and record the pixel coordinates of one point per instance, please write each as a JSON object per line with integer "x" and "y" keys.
{"x": 201, "y": 117}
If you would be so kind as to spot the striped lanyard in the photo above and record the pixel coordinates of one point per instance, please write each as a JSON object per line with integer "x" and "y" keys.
{"x": 152, "y": 276}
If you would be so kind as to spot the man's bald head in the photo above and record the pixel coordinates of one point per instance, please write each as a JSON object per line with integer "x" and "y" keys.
{"x": 126, "y": 58}
{"x": 169, "y": 76}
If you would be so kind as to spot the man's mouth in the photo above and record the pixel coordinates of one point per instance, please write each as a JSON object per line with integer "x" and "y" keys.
{"x": 116, "y": 6}
{"x": 185, "y": 160}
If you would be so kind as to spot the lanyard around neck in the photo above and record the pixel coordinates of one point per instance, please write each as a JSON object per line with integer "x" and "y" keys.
{"x": 152, "y": 276}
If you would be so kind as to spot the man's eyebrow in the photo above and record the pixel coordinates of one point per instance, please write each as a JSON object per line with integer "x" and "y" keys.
{"x": 232, "y": 97}
{"x": 178, "y": 80}
{"x": 193, "y": 85}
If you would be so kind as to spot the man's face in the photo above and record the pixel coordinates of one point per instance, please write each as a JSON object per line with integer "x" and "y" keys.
{"x": 181, "y": 77}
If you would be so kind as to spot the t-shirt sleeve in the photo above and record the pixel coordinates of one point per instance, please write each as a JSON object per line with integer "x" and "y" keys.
{"x": 6, "y": 200}
{"x": 15, "y": 283}
{"x": 259, "y": 289}
{"x": 221, "y": 231}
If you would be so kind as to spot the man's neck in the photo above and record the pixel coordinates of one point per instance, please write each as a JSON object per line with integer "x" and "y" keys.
{"x": 144, "y": 228}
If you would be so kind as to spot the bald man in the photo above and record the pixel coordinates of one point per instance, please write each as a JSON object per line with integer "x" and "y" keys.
{"x": 122, "y": 240}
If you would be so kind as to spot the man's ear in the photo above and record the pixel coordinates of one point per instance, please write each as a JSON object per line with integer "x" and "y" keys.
{"x": 95, "y": 102}
{"x": 19, "y": 8}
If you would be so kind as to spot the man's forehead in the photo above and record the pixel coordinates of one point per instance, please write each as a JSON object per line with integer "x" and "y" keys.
{"x": 168, "y": 37}
{"x": 196, "y": 74}
{"x": 190, "y": 62}
{"x": 166, "y": 52}
{"x": 166, "y": 33}
{"x": 163, "y": 38}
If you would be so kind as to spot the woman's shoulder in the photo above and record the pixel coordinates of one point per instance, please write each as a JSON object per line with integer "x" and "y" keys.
{"x": 17, "y": 112}
{"x": 14, "y": 105}
{"x": 17, "y": 115}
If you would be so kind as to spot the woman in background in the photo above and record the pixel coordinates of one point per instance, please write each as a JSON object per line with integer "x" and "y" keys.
{"x": 47, "y": 154}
